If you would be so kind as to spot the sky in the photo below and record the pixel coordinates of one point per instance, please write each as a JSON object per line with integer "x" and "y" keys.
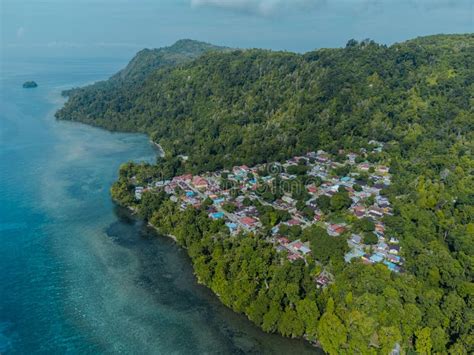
{"x": 110, "y": 28}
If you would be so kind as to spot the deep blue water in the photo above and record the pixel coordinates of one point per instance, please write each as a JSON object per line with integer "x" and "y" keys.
{"x": 77, "y": 274}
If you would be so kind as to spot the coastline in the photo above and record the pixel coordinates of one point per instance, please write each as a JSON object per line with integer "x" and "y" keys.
{"x": 313, "y": 343}
{"x": 159, "y": 147}
{"x": 133, "y": 211}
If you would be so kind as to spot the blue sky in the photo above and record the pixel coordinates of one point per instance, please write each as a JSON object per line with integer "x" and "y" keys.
{"x": 121, "y": 27}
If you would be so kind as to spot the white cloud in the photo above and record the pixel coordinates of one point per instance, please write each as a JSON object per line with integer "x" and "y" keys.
{"x": 259, "y": 7}
{"x": 20, "y": 32}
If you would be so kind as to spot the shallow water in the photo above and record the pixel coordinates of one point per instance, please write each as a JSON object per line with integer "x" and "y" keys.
{"x": 77, "y": 274}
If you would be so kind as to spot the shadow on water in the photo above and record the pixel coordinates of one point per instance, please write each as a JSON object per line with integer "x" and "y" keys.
{"x": 163, "y": 262}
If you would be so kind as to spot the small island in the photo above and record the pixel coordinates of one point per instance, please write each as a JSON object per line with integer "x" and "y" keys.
{"x": 29, "y": 84}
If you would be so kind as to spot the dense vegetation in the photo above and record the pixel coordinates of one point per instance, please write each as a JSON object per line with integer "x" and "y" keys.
{"x": 116, "y": 90}
{"x": 253, "y": 106}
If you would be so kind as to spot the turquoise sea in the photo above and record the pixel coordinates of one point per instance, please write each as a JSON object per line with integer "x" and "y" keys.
{"x": 78, "y": 274}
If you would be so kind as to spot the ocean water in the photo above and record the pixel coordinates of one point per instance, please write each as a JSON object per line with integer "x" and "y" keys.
{"x": 78, "y": 274}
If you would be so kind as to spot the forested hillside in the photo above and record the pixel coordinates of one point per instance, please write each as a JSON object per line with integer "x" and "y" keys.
{"x": 140, "y": 67}
{"x": 251, "y": 106}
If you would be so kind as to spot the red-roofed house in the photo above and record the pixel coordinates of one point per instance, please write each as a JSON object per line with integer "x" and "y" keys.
{"x": 379, "y": 227}
{"x": 364, "y": 166}
{"x": 200, "y": 183}
{"x": 248, "y": 221}
{"x": 185, "y": 178}
{"x": 382, "y": 169}
{"x": 293, "y": 222}
{"x": 335, "y": 229}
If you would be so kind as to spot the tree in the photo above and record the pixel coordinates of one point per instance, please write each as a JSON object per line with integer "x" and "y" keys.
{"x": 290, "y": 324}
{"x": 340, "y": 201}
{"x": 271, "y": 318}
{"x": 229, "y": 207}
{"x": 308, "y": 312}
{"x": 364, "y": 225}
{"x": 388, "y": 337}
{"x": 423, "y": 341}
{"x": 439, "y": 340}
{"x": 331, "y": 333}
{"x": 370, "y": 239}
{"x": 324, "y": 247}
{"x": 324, "y": 203}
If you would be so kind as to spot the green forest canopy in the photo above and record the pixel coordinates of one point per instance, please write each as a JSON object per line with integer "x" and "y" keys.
{"x": 229, "y": 107}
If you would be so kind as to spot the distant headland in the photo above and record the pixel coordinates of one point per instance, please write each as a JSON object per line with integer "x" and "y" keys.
{"x": 30, "y": 84}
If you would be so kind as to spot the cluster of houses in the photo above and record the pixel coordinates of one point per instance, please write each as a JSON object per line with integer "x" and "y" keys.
{"x": 240, "y": 215}
{"x": 296, "y": 249}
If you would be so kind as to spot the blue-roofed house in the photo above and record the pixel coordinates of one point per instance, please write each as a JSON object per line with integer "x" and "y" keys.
{"x": 216, "y": 215}
{"x": 376, "y": 258}
{"x": 391, "y": 266}
{"x": 353, "y": 254}
{"x": 218, "y": 201}
{"x": 232, "y": 227}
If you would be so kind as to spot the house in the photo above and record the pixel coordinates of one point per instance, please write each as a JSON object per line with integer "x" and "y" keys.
{"x": 184, "y": 178}
{"x": 381, "y": 169}
{"x": 288, "y": 199}
{"x": 382, "y": 247}
{"x": 359, "y": 211}
{"x": 233, "y": 228}
{"x": 376, "y": 212}
{"x": 241, "y": 170}
{"x": 218, "y": 201}
{"x": 394, "y": 249}
{"x": 293, "y": 256}
{"x": 283, "y": 240}
{"x": 355, "y": 240}
{"x": 354, "y": 253}
{"x": 322, "y": 157}
{"x": 249, "y": 222}
{"x": 352, "y": 157}
{"x": 346, "y": 180}
{"x": 379, "y": 187}
{"x": 364, "y": 166}
{"x": 391, "y": 266}
{"x": 379, "y": 227}
{"x": 216, "y": 215}
{"x": 299, "y": 247}
{"x": 312, "y": 189}
{"x": 323, "y": 279}
{"x": 293, "y": 222}
{"x": 138, "y": 192}
{"x": 382, "y": 201}
{"x": 376, "y": 258}
{"x": 200, "y": 183}
{"x": 394, "y": 258}
{"x": 335, "y": 229}
{"x": 162, "y": 183}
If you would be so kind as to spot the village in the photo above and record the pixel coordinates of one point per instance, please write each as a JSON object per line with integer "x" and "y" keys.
{"x": 234, "y": 195}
